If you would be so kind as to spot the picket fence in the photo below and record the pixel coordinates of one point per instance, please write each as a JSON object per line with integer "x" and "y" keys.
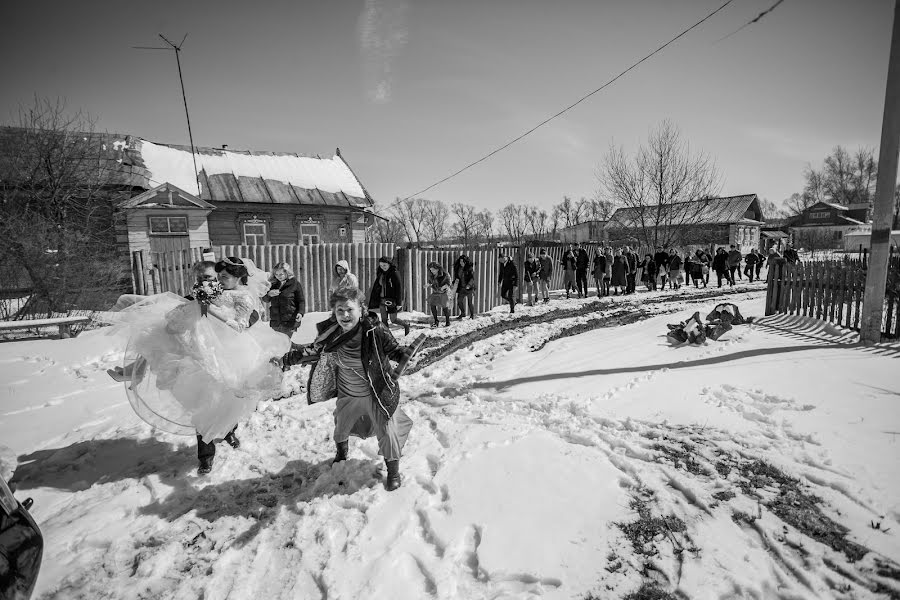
{"x": 832, "y": 291}
{"x": 156, "y": 272}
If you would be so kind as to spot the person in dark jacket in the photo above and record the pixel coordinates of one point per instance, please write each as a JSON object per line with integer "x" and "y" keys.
{"x": 599, "y": 270}
{"x": 508, "y": 279}
{"x": 568, "y": 262}
{"x": 464, "y": 280}
{"x": 387, "y": 294}
{"x": 582, "y": 262}
{"x": 760, "y": 259}
{"x": 546, "y": 274}
{"x": 631, "y": 276}
{"x": 720, "y": 266}
{"x": 354, "y": 354}
{"x": 648, "y": 272}
{"x": 531, "y": 277}
{"x": 619, "y": 273}
{"x": 661, "y": 258}
{"x": 734, "y": 263}
{"x": 791, "y": 255}
{"x": 750, "y": 262}
{"x": 286, "y": 301}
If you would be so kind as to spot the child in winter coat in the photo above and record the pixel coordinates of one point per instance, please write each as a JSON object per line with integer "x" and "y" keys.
{"x": 353, "y": 353}
{"x": 599, "y": 270}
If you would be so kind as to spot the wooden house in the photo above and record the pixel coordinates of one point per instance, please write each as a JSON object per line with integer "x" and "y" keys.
{"x": 250, "y": 198}
{"x": 709, "y": 223}
{"x": 824, "y": 224}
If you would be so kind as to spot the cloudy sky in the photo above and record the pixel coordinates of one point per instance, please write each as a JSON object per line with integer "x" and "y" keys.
{"x": 412, "y": 90}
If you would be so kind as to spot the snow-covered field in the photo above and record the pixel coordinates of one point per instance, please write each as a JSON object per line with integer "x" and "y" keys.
{"x": 600, "y": 463}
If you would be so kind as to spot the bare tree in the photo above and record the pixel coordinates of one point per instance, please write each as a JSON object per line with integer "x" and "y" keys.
{"x": 538, "y": 221}
{"x": 435, "y": 217}
{"x": 466, "y": 225}
{"x": 410, "y": 213}
{"x": 56, "y": 208}
{"x": 485, "y": 225}
{"x": 513, "y": 221}
{"x": 770, "y": 210}
{"x": 664, "y": 189}
{"x": 570, "y": 213}
{"x": 386, "y": 230}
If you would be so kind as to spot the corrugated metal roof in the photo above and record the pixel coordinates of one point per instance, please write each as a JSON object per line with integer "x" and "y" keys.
{"x": 253, "y": 177}
{"x": 711, "y": 211}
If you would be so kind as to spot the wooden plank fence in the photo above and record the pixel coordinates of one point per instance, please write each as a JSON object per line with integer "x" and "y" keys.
{"x": 156, "y": 272}
{"x": 832, "y": 291}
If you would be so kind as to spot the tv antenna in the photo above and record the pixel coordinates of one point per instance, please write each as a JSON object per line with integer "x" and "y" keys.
{"x": 177, "y": 49}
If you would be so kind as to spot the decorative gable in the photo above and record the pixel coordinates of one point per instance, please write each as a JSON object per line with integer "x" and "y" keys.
{"x": 166, "y": 196}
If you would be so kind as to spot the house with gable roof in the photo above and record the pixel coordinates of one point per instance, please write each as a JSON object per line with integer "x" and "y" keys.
{"x": 708, "y": 222}
{"x": 825, "y": 224}
{"x": 244, "y": 197}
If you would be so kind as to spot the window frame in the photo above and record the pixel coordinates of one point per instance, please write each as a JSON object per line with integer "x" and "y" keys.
{"x": 245, "y": 236}
{"x": 305, "y": 238}
{"x": 168, "y": 219}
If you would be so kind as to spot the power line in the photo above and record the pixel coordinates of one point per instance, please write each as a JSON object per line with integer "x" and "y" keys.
{"x": 751, "y": 22}
{"x": 574, "y": 104}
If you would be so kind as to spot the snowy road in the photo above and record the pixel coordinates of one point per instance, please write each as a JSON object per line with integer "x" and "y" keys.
{"x": 521, "y": 476}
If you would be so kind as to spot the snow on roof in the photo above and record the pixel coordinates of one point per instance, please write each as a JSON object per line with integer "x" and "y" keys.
{"x": 708, "y": 211}
{"x": 247, "y": 176}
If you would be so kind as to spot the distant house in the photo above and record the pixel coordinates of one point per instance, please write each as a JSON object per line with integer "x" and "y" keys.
{"x": 861, "y": 239}
{"x": 824, "y": 224}
{"x": 249, "y": 198}
{"x": 588, "y": 231}
{"x": 709, "y": 222}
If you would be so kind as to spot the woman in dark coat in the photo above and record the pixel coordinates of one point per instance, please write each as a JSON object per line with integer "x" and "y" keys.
{"x": 720, "y": 266}
{"x": 287, "y": 305}
{"x": 619, "y": 273}
{"x": 352, "y": 362}
{"x": 599, "y": 270}
{"x": 387, "y": 294}
{"x": 649, "y": 272}
{"x": 464, "y": 278}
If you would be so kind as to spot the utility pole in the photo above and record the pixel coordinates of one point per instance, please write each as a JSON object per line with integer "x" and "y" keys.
{"x": 177, "y": 49}
{"x": 876, "y": 276}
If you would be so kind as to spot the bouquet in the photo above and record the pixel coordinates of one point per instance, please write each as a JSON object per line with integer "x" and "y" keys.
{"x": 205, "y": 292}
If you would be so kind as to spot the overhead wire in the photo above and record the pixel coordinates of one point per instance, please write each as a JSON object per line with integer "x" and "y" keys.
{"x": 576, "y": 103}
{"x": 750, "y": 22}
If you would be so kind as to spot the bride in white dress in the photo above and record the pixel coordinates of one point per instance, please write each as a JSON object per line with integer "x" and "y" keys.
{"x": 191, "y": 372}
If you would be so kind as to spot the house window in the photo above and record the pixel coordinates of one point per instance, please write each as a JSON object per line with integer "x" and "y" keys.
{"x": 819, "y": 214}
{"x": 168, "y": 226}
{"x": 254, "y": 233}
{"x": 309, "y": 234}
{"x": 838, "y": 235}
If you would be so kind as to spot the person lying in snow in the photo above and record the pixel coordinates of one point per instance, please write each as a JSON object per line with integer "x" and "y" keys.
{"x": 726, "y": 311}
{"x": 353, "y": 353}
{"x": 692, "y": 331}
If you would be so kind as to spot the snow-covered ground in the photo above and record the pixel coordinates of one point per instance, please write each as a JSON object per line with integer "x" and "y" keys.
{"x": 594, "y": 465}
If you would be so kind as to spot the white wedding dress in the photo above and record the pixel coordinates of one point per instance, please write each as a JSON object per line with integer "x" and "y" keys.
{"x": 199, "y": 373}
